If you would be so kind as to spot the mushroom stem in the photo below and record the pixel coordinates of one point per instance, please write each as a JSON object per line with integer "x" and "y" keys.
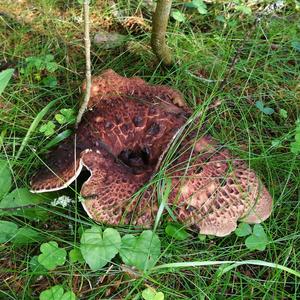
{"x": 159, "y": 26}
{"x": 87, "y": 45}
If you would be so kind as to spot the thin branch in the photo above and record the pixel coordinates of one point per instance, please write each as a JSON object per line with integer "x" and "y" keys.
{"x": 87, "y": 44}
{"x": 159, "y": 27}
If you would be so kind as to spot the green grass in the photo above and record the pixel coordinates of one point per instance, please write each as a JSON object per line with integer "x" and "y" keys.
{"x": 267, "y": 69}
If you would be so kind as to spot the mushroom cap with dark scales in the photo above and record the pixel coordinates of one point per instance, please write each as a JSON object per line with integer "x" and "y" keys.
{"x": 216, "y": 190}
{"x": 122, "y": 139}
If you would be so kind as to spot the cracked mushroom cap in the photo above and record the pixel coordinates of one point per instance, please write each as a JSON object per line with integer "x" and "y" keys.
{"x": 122, "y": 139}
{"x": 217, "y": 190}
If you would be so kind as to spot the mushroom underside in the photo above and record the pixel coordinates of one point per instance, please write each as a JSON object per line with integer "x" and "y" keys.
{"x": 122, "y": 140}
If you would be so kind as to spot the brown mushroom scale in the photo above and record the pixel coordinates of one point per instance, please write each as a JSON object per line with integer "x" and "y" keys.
{"x": 122, "y": 139}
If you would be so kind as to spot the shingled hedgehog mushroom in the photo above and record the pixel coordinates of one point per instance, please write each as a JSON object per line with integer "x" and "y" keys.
{"x": 122, "y": 140}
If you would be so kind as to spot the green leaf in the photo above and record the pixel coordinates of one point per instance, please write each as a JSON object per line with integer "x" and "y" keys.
{"x": 76, "y": 256}
{"x": 69, "y": 296}
{"x": 65, "y": 116}
{"x": 295, "y": 45}
{"x": 34, "y": 213}
{"x": 141, "y": 252}
{"x": 51, "y": 66}
{"x": 68, "y": 113}
{"x": 258, "y": 240}
{"x": 35, "y": 266}
{"x": 199, "y": 5}
{"x": 48, "y": 129}
{"x": 221, "y": 19}
{"x": 8, "y": 231}
{"x": 263, "y": 109}
{"x": 54, "y": 293}
{"x": 5, "y": 178}
{"x": 98, "y": 249}
{"x": 283, "y": 113}
{"x": 202, "y": 237}
{"x": 52, "y": 256}
{"x": 16, "y": 204}
{"x": 243, "y": 229}
{"x": 176, "y": 231}
{"x": 57, "y": 293}
{"x": 295, "y": 147}
{"x": 259, "y": 105}
{"x": 4, "y": 79}
{"x": 159, "y": 296}
{"x": 60, "y": 119}
{"x": 178, "y": 16}
{"x": 151, "y": 294}
{"x": 50, "y": 81}
{"x": 26, "y": 235}
{"x": 19, "y": 198}
{"x": 148, "y": 293}
{"x": 244, "y": 9}
{"x": 268, "y": 110}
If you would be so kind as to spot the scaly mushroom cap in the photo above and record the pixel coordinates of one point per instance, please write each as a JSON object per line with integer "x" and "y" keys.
{"x": 216, "y": 190}
{"x": 121, "y": 141}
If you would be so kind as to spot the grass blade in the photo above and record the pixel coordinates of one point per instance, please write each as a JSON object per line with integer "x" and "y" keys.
{"x": 232, "y": 265}
{"x": 34, "y": 125}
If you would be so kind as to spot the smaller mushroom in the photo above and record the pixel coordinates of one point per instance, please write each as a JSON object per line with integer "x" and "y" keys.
{"x": 217, "y": 190}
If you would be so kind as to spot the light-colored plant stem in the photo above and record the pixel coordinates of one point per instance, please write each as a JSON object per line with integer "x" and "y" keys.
{"x": 87, "y": 44}
{"x": 159, "y": 27}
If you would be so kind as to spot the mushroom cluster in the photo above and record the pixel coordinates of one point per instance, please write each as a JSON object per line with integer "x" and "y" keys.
{"x": 122, "y": 140}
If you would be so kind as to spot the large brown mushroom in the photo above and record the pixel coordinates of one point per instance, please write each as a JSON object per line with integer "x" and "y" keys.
{"x": 122, "y": 139}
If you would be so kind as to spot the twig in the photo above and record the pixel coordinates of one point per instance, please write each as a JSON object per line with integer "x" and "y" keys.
{"x": 159, "y": 27}
{"x": 87, "y": 43}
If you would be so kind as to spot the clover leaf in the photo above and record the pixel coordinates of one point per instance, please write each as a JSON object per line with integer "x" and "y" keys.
{"x": 35, "y": 266}
{"x": 243, "y": 229}
{"x": 57, "y": 292}
{"x": 75, "y": 255}
{"x": 67, "y": 115}
{"x": 5, "y": 178}
{"x": 151, "y": 294}
{"x": 258, "y": 240}
{"x": 141, "y": 252}
{"x": 52, "y": 256}
{"x": 99, "y": 248}
{"x": 176, "y": 231}
{"x": 266, "y": 110}
{"x": 283, "y": 113}
{"x": 48, "y": 129}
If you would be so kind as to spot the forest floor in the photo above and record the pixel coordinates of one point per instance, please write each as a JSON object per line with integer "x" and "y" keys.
{"x": 244, "y": 60}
